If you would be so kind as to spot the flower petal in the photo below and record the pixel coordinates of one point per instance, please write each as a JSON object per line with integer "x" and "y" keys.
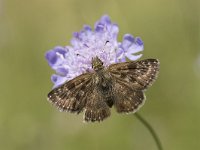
{"x": 58, "y": 80}
{"x": 63, "y": 71}
{"x": 128, "y": 40}
{"x": 51, "y": 57}
{"x": 133, "y": 57}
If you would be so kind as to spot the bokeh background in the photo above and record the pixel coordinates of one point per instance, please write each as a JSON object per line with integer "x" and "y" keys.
{"x": 170, "y": 30}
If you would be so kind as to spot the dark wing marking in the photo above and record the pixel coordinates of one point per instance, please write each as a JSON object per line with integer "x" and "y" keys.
{"x": 96, "y": 108}
{"x": 71, "y": 96}
{"x": 126, "y": 99}
{"x": 139, "y": 74}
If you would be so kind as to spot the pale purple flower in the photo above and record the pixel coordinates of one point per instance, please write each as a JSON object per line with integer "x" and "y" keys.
{"x": 71, "y": 61}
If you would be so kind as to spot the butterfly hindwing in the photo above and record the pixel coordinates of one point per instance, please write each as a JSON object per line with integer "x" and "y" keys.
{"x": 71, "y": 96}
{"x": 126, "y": 99}
{"x": 138, "y": 74}
{"x": 96, "y": 108}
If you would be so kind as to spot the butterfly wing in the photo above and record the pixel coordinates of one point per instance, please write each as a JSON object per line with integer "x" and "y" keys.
{"x": 137, "y": 74}
{"x": 126, "y": 99}
{"x": 96, "y": 108}
{"x": 130, "y": 79}
{"x": 71, "y": 96}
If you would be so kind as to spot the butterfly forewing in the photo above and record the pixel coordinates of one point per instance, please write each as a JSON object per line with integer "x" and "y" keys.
{"x": 137, "y": 74}
{"x": 71, "y": 96}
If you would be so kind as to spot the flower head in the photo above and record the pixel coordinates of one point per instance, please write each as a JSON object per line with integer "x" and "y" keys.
{"x": 71, "y": 61}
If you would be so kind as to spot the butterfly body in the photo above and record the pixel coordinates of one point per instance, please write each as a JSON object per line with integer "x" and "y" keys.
{"x": 103, "y": 81}
{"x": 120, "y": 85}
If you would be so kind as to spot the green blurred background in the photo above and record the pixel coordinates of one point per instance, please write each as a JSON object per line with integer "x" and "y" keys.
{"x": 170, "y": 30}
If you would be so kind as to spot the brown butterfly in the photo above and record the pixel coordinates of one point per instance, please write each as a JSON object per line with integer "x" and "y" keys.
{"x": 120, "y": 85}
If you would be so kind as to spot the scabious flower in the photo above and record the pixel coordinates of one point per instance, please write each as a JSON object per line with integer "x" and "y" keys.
{"x": 71, "y": 61}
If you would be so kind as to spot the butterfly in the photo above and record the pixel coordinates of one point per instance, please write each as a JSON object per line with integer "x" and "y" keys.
{"x": 120, "y": 85}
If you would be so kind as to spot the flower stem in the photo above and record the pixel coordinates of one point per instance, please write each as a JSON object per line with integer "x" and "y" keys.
{"x": 151, "y": 130}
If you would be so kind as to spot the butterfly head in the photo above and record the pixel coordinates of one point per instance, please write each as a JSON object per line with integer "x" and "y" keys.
{"x": 97, "y": 64}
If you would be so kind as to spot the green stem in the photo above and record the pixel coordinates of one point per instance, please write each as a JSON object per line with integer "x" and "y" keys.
{"x": 151, "y": 130}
